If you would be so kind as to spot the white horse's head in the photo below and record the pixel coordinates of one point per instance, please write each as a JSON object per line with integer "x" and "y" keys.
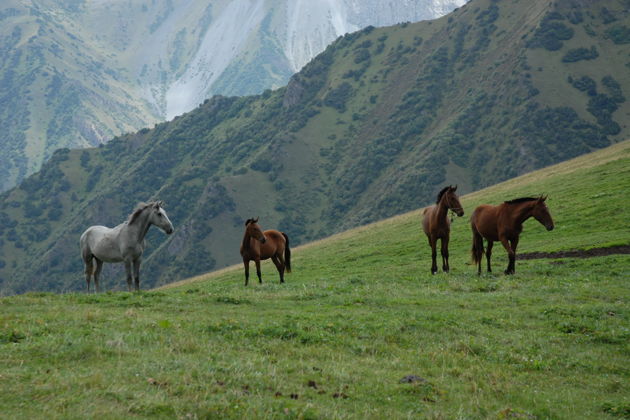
{"x": 159, "y": 218}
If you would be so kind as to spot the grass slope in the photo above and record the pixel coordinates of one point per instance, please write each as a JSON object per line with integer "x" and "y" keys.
{"x": 359, "y": 312}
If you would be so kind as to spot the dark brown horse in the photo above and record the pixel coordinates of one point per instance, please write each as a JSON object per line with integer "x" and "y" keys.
{"x": 505, "y": 223}
{"x": 258, "y": 245}
{"x": 437, "y": 225}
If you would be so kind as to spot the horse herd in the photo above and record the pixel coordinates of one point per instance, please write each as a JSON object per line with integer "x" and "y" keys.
{"x": 502, "y": 223}
{"x": 125, "y": 242}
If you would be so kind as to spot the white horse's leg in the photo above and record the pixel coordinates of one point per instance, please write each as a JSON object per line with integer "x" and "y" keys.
{"x": 129, "y": 271}
{"x": 97, "y": 272}
{"x": 89, "y": 268}
{"x": 136, "y": 273}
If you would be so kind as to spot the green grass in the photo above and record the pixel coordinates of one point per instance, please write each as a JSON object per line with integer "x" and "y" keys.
{"x": 360, "y": 312}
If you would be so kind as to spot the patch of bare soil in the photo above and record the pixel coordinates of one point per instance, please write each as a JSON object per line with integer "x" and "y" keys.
{"x": 576, "y": 253}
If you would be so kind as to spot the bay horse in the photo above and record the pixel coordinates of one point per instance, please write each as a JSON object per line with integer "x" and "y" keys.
{"x": 436, "y": 224}
{"x": 505, "y": 223}
{"x": 124, "y": 243}
{"x": 258, "y": 245}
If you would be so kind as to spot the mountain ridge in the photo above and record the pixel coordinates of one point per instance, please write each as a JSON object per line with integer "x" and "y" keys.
{"x": 76, "y": 74}
{"x": 370, "y": 128}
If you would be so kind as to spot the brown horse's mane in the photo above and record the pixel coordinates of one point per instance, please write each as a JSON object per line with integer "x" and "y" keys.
{"x": 441, "y": 193}
{"x": 521, "y": 200}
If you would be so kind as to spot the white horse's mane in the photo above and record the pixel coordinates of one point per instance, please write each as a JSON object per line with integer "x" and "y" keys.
{"x": 140, "y": 207}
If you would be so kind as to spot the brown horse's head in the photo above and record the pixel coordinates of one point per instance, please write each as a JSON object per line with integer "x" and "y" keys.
{"x": 541, "y": 213}
{"x": 252, "y": 228}
{"x": 451, "y": 200}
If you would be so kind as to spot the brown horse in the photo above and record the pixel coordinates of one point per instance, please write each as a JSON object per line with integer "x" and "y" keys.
{"x": 437, "y": 225}
{"x": 258, "y": 245}
{"x": 505, "y": 223}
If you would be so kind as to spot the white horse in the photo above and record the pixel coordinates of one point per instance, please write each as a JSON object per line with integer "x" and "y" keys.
{"x": 124, "y": 243}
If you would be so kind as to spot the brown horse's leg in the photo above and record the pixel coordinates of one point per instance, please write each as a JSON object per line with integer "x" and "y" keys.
{"x": 246, "y": 264}
{"x": 257, "y": 261}
{"x": 511, "y": 256}
{"x": 97, "y": 273}
{"x": 279, "y": 265}
{"x": 444, "y": 251}
{"x": 433, "y": 243}
{"x": 489, "y": 254}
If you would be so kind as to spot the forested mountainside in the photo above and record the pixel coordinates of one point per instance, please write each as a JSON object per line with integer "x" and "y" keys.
{"x": 77, "y": 73}
{"x": 373, "y": 126}
{"x": 57, "y": 90}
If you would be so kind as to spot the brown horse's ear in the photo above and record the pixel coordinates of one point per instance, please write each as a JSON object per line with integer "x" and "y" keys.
{"x": 247, "y": 221}
{"x": 255, "y": 220}
{"x": 454, "y": 188}
{"x": 542, "y": 198}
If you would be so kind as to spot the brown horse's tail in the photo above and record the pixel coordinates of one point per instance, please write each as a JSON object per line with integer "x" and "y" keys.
{"x": 287, "y": 253}
{"x": 477, "y": 245}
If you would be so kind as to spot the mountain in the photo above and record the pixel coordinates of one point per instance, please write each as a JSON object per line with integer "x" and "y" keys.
{"x": 56, "y": 89}
{"x": 251, "y": 46}
{"x": 75, "y": 74}
{"x": 373, "y": 126}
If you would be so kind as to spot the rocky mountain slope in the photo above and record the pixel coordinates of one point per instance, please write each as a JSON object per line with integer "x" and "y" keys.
{"x": 57, "y": 89}
{"x": 372, "y": 127}
{"x": 75, "y": 74}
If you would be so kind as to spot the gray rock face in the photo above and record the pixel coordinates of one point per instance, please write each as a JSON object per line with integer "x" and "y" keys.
{"x": 248, "y": 46}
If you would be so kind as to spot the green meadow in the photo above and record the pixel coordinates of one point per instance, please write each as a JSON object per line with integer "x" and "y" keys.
{"x": 358, "y": 316}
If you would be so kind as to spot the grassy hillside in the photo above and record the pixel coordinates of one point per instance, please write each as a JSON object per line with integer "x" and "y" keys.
{"x": 359, "y": 313}
{"x": 374, "y": 126}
